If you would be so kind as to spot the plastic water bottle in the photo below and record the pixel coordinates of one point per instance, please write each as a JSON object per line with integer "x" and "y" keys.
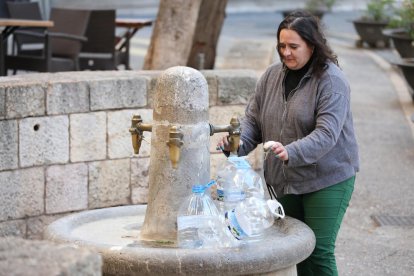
{"x": 252, "y": 217}
{"x": 199, "y": 223}
{"x": 236, "y": 180}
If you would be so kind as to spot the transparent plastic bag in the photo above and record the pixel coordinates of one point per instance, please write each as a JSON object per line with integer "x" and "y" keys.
{"x": 236, "y": 180}
{"x": 252, "y": 217}
{"x": 200, "y": 224}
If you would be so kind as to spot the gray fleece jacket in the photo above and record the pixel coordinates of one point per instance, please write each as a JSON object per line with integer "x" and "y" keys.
{"x": 314, "y": 124}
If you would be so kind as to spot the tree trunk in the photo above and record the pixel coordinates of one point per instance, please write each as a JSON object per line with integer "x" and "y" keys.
{"x": 173, "y": 34}
{"x": 209, "y": 24}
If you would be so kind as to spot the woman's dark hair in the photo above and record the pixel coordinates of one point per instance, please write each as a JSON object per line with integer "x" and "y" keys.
{"x": 308, "y": 28}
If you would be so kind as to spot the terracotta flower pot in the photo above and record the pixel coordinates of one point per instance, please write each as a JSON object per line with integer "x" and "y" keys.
{"x": 403, "y": 43}
{"x": 407, "y": 68}
{"x": 370, "y": 32}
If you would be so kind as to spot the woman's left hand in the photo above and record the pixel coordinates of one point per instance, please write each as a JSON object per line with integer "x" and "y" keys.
{"x": 280, "y": 151}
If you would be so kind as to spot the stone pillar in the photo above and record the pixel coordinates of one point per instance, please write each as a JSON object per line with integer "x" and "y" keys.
{"x": 181, "y": 99}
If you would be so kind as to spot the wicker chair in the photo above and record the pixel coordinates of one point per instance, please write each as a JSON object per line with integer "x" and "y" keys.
{"x": 4, "y": 12}
{"x": 26, "y": 44}
{"x": 105, "y": 50}
{"x": 99, "y": 52}
{"x": 61, "y": 43}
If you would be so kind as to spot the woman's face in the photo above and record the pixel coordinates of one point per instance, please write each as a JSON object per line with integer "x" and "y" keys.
{"x": 293, "y": 49}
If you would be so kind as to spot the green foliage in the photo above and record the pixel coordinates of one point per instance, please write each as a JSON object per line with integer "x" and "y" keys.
{"x": 320, "y": 4}
{"x": 379, "y": 10}
{"x": 404, "y": 17}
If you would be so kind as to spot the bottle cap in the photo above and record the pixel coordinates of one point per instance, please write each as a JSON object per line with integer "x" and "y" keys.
{"x": 198, "y": 189}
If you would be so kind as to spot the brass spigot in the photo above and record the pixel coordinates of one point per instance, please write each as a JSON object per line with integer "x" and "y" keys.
{"x": 234, "y": 131}
{"x": 137, "y": 132}
{"x": 174, "y": 143}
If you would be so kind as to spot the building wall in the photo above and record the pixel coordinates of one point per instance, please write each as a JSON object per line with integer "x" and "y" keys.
{"x": 65, "y": 145}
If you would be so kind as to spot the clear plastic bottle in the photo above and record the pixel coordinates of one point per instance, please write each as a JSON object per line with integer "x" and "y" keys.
{"x": 252, "y": 217}
{"x": 199, "y": 223}
{"x": 236, "y": 180}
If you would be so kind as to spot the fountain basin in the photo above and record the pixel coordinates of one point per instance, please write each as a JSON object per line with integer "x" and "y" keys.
{"x": 114, "y": 233}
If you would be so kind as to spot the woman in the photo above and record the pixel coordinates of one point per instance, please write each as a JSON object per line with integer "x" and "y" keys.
{"x": 303, "y": 104}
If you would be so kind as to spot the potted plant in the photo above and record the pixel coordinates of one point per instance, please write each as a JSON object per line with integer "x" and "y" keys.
{"x": 319, "y": 6}
{"x": 402, "y": 33}
{"x": 406, "y": 66}
{"x": 371, "y": 25}
{"x": 402, "y": 36}
{"x": 316, "y": 7}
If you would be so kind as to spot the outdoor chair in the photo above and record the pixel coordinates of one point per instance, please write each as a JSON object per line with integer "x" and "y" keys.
{"x": 62, "y": 44}
{"x": 100, "y": 52}
{"x": 3, "y": 9}
{"x": 22, "y": 43}
{"x": 108, "y": 47}
{"x": 4, "y": 12}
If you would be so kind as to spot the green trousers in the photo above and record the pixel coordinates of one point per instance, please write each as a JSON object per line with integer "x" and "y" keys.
{"x": 323, "y": 212}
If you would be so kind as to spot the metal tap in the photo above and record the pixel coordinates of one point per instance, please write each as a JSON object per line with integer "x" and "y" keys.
{"x": 137, "y": 132}
{"x": 174, "y": 143}
{"x": 234, "y": 131}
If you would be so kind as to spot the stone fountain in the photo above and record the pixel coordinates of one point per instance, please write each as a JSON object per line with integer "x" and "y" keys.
{"x": 141, "y": 239}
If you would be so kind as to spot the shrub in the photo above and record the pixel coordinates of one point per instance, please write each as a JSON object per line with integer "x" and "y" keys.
{"x": 320, "y": 4}
{"x": 379, "y": 10}
{"x": 404, "y": 17}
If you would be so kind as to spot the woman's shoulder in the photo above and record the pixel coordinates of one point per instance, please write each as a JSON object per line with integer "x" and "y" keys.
{"x": 276, "y": 66}
{"x": 334, "y": 70}
{"x": 334, "y": 79}
{"x": 272, "y": 71}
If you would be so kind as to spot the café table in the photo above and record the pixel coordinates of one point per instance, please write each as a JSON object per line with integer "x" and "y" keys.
{"x": 132, "y": 26}
{"x": 9, "y": 26}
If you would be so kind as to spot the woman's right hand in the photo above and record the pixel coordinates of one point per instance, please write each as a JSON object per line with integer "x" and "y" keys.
{"x": 223, "y": 143}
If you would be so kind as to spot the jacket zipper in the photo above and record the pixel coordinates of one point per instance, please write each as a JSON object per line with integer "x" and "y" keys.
{"x": 286, "y": 188}
{"x": 285, "y": 102}
{"x": 281, "y": 129}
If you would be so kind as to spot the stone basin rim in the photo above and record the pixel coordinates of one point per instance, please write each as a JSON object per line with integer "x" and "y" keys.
{"x": 273, "y": 253}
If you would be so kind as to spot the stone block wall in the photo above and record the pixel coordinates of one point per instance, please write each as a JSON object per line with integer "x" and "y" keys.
{"x": 65, "y": 145}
